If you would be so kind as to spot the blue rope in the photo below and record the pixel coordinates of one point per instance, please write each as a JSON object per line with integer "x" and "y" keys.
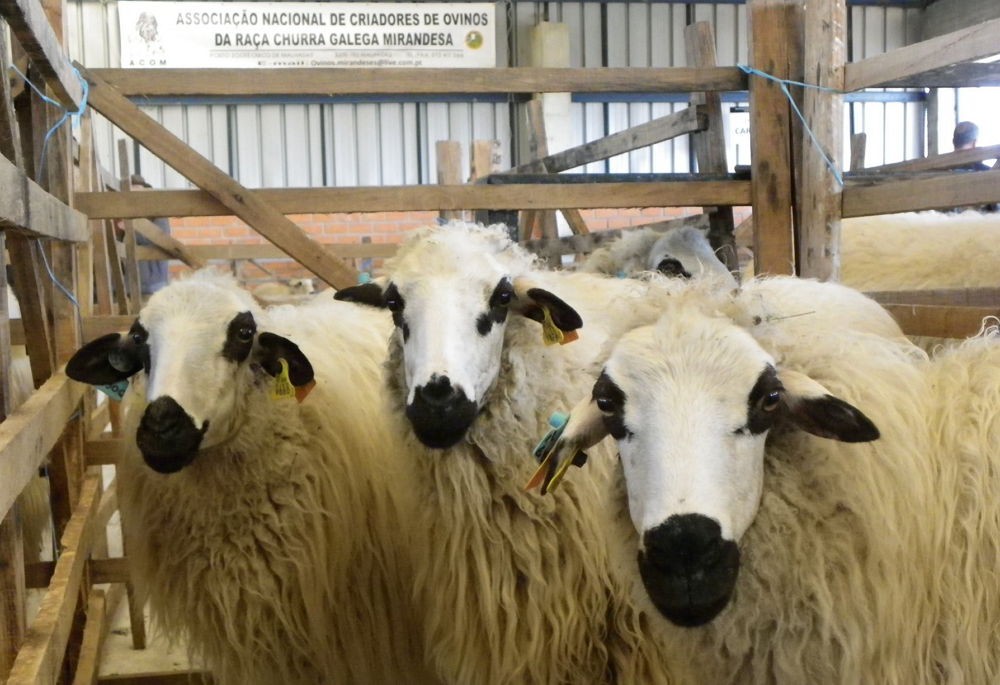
{"x": 67, "y": 114}
{"x": 55, "y": 281}
{"x": 784, "y": 83}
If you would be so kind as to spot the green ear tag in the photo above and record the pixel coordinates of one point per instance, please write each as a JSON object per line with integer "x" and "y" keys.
{"x": 282, "y": 388}
{"x": 551, "y": 335}
{"x": 114, "y": 390}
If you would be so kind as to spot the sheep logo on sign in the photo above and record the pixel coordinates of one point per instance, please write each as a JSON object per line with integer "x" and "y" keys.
{"x": 146, "y": 42}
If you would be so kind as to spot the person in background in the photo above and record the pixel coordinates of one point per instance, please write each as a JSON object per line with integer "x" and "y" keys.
{"x": 153, "y": 274}
{"x": 964, "y": 138}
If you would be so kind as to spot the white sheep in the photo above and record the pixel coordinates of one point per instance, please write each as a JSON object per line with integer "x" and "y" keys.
{"x": 684, "y": 252}
{"x": 292, "y": 291}
{"x": 517, "y": 588}
{"x": 921, "y": 251}
{"x": 789, "y": 557}
{"x": 271, "y": 533}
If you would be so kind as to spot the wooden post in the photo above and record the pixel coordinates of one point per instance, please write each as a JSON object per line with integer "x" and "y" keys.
{"x": 770, "y": 26}
{"x": 818, "y": 244}
{"x": 449, "y": 169}
{"x": 859, "y": 145}
{"x": 932, "y": 103}
{"x": 710, "y": 144}
{"x": 131, "y": 264}
{"x": 487, "y": 160}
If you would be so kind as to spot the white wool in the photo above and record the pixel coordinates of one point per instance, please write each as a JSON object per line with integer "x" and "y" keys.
{"x": 519, "y": 588}
{"x": 869, "y": 562}
{"x": 281, "y": 555}
{"x": 921, "y": 251}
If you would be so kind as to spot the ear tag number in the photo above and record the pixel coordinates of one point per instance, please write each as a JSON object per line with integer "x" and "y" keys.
{"x": 115, "y": 390}
{"x": 282, "y": 388}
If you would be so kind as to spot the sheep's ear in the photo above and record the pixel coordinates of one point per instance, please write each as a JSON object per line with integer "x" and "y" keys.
{"x": 271, "y": 348}
{"x": 815, "y": 410}
{"x": 367, "y": 293}
{"x": 533, "y": 302}
{"x": 103, "y": 361}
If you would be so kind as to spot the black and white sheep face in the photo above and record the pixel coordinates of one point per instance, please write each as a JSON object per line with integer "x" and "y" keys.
{"x": 194, "y": 352}
{"x": 690, "y": 402}
{"x": 451, "y": 292}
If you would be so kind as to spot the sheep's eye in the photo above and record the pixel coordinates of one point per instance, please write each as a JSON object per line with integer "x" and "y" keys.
{"x": 504, "y": 297}
{"x": 606, "y": 404}
{"x": 245, "y": 334}
{"x": 137, "y": 338}
{"x": 138, "y": 335}
{"x": 770, "y": 401}
{"x": 394, "y": 304}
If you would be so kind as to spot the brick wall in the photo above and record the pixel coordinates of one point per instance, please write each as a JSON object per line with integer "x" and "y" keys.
{"x": 380, "y": 227}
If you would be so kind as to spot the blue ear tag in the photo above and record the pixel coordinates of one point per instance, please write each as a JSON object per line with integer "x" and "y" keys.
{"x": 364, "y": 277}
{"x": 558, "y": 422}
{"x": 114, "y": 390}
{"x": 621, "y": 274}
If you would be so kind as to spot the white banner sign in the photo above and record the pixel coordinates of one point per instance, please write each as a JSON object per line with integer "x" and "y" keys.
{"x": 194, "y": 35}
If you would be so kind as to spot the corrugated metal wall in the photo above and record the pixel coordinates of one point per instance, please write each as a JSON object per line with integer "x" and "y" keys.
{"x": 278, "y": 144}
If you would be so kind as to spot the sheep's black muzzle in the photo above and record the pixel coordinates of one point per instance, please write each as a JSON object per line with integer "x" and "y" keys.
{"x": 440, "y": 413}
{"x": 688, "y": 569}
{"x": 167, "y": 436}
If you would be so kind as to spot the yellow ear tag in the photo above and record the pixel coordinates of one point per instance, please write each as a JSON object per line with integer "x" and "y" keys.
{"x": 282, "y": 388}
{"x": 550, "y": 332}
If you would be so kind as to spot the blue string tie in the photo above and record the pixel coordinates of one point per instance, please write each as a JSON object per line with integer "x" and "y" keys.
{"x": 66, "y": 114}
{"x": 784, "y": 83}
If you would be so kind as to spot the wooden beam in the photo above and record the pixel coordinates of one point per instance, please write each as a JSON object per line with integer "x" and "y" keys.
{"x": 103, "y": 451}
{"x": 939, "y": 321}
{"x": 241, "y": 201}
{"x": 93, "y": 640}
{"x": 160, "y": 678}
{"x": 577, "y": 244}
{"x": 170, "y": 246}
{"x": 527, "y": 80}
{"x": 710, "y": 144}
{"x": 29, "y": 285}
{"x": 658, "y": 130}
{"x": 26, "y": 208}
{"x": 944, "y": 16}
{"x": 114, "y": 570}
{"x": 938, "y": 191}
{"x": 132, "y": 280}
{"x": 819, "y": 193}
{"x": 964, "y": 45}
{"x": 972, "y": 74}
{"x": 949, "y": 160}
{"x": 859, "y": 146}
{"x": 770, "y": 120}
{"x": 12, "y": 590}
{"x": 207, "y": 253}
{"x": 448, "y": 154}
{"x": 29, "y": 24}
{"x": 180, "y": 203}
{"x": 40, "y": 658}
{"x": 31, "y": 431}
{"x": 961, "y": 297}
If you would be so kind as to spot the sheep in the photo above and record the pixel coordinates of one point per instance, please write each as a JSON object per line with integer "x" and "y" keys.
{"x": 517, "y": 588}
{"x": 271, "y": 533}
{"x": 683, "y": 252}
{"x": 868, "y": 557}
{"x": 921, "y": 251}
{"x": 293, "y": 291}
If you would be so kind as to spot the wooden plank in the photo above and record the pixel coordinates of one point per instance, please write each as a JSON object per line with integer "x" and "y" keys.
{"x": 962, "y": 297}
{"x": 242, "y": 202}
{"x": 34, "y": 311}
{"x": 174, "y": 678}
{"x": 859, "y": 145}
{"x": 770, "y": 145}
{"x": 29, "y": 24}
{"x": 170, "y": 246}
{"x": 103, "y": 451}
{"x": 949, "y": 160}
{"x": 31, "y": 431}
{"x": 933, "y": 107}
{"x": 131, "y": 263}
{"x": 964, "y": 45}
{"x": 655, "y": 131}
{"x": 527, "y": 80}
{"x": 449, "y": 169}
{"x": 938, "y": 321}
{"x": 40, "y": 658}
{"x": 268, "y": 251}
{"x": 26, "y": 208}
{"x": 484, "y": 159}
{"x": 939, "y": 191}
{"x": 10, "y": 139}
{"x": 115, "y": 250}
{"x": 819, "y": 193}
{"x": 96, "y": 326}
{"x": 538, "y": 149}
{"x": 180, "y": 203}
{"x": 114, "y": 570}
{"x": 710, "y": 144}
{"x": 974, "y": 74}
{"x": 6, "y": 399}
{"x": 93, "y": 640}
{"x": 12, "y": 590}
{"x": 580, "y": 244}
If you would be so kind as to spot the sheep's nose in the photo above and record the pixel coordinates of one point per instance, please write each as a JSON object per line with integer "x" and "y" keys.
{"x": 437, "y": 392}
{"x": 440, "y": 412}
{"x": 167, "y": 436}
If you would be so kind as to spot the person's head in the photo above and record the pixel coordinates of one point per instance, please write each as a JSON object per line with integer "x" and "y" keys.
{"x": 139, "y": 183}
{"x": 965, "y": 135}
